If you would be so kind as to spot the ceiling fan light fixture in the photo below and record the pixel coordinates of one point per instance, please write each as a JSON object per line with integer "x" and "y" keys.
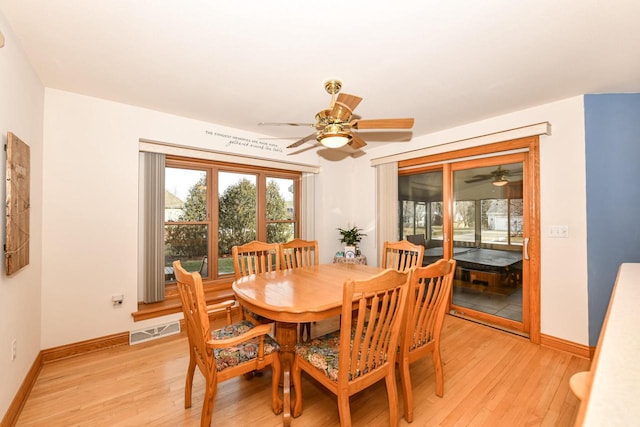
{"x": 334, "y": 140}
{"x": 500, "y": 181}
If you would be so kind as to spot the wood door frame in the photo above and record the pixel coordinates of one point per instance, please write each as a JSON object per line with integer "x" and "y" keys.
{"x": 531, "y": 196}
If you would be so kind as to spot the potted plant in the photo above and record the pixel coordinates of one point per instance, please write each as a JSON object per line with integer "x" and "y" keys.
{"x": 351, "y": 237}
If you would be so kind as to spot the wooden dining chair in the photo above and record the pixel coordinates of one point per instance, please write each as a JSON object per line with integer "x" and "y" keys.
{"x": 402, "y": 255}
{"x": 429, "y": 293}
{"x": 254, "y": 258}
{"x": 300, "y": 253}
{"x": 363, "y": 351}
{"x": 236, "y": 349}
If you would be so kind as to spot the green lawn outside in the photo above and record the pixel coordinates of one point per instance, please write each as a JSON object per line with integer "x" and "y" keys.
{"x": 225, "y": 265}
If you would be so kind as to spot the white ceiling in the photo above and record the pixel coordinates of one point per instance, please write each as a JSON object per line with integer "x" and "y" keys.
{"x": 237, "y": 63}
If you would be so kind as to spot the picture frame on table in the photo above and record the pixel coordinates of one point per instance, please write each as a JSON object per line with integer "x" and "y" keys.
{"x": 350, "y": 252}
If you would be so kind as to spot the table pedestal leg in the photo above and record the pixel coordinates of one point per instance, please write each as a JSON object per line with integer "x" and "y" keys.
{"x": 286, "y": 335}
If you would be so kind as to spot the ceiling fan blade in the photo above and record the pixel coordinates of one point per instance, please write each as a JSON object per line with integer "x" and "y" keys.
{"x": 356, "y": 142}
{"x": 514, "y": 172}
{"x": 351, "y": 101}
{"x": 302, "y": 140}
{"x": 285, "y": 124}
{"x": 477, "y": 179}
{"x": 383, "y": 124}
{"x": 341, "y": 112}
{"x": 343, "y": 107}
{"x": 303, "y": 149}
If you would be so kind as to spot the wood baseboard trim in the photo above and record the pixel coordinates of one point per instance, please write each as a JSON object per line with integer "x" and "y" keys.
{"x": 13, "y": 412}
{"x": 101, "y": 343}
{"x": 579, "y": 350}
{"x": 69, "y": 350}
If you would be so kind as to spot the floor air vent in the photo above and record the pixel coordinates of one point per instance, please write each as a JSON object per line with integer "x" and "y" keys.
{"x": 136, "y": 337}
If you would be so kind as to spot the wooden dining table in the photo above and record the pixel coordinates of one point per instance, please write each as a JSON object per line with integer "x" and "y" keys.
{"x": 300, "y": 295}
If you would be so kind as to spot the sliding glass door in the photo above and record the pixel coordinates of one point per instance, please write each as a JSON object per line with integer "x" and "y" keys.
{"x": 477, "y": 212}
{"x": 488, "y": 223}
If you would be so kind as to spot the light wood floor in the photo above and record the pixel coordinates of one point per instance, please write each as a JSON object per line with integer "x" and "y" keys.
{"x": 491, "y": 379}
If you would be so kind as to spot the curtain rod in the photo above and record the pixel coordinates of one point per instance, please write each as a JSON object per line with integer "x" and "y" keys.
{"x": 543, "y": 128}
{"x": 206, "y": 154}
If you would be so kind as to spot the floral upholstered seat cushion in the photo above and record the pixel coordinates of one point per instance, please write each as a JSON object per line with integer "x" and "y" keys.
{"x": 243, "y": 352}
{"x": 324, "y": 353}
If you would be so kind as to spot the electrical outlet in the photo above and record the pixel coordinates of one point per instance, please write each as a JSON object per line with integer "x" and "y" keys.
{"x": 14, "y": 349}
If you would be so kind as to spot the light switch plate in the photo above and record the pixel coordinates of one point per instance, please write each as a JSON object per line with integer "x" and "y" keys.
{"x": 559, "y": 231}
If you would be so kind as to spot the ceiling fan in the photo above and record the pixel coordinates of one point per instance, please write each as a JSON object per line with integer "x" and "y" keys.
{"x": 498, "y": 177}
{"x": 335, "y": 125}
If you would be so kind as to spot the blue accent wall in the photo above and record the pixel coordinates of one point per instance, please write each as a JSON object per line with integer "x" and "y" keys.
{"x": 612, "y": 143}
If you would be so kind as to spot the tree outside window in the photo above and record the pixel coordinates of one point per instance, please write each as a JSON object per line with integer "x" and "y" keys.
{"x": 189, "y": 228}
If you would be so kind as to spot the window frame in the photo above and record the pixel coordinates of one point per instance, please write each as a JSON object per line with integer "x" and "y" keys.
{"x": 214, "y": 281}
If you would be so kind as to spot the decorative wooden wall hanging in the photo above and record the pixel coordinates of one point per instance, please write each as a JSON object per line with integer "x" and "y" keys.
{"x": 18, "y": 205}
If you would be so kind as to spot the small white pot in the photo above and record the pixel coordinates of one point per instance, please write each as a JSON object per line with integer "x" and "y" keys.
{"x": 350, "y": 252}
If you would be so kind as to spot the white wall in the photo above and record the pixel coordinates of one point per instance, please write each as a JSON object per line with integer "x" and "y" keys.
{"x": 562, "y": 202}
{"x": 338, "y": 200}
{"x": 21, "y": 111}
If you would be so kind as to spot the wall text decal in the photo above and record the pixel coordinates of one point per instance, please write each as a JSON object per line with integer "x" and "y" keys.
{"x": 246, "y": 144}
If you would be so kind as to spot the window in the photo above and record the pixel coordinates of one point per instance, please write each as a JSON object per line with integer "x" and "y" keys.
{"x": 464, "y": 220}
{"x": 211, "y": 207}
{"x": 501, "y": 221}
{"x": 422, "y": 218}
{"x": 186, "y": 229}
{"x": 420, "y": 196}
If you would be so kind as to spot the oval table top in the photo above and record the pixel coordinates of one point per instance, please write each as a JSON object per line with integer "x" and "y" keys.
{"x": 299, "y": 295}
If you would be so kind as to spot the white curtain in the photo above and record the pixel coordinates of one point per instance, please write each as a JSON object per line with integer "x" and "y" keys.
{"x": 386, "y": 205}
{"x": 307, "y": 214}
{"x": 153, "y": 229}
